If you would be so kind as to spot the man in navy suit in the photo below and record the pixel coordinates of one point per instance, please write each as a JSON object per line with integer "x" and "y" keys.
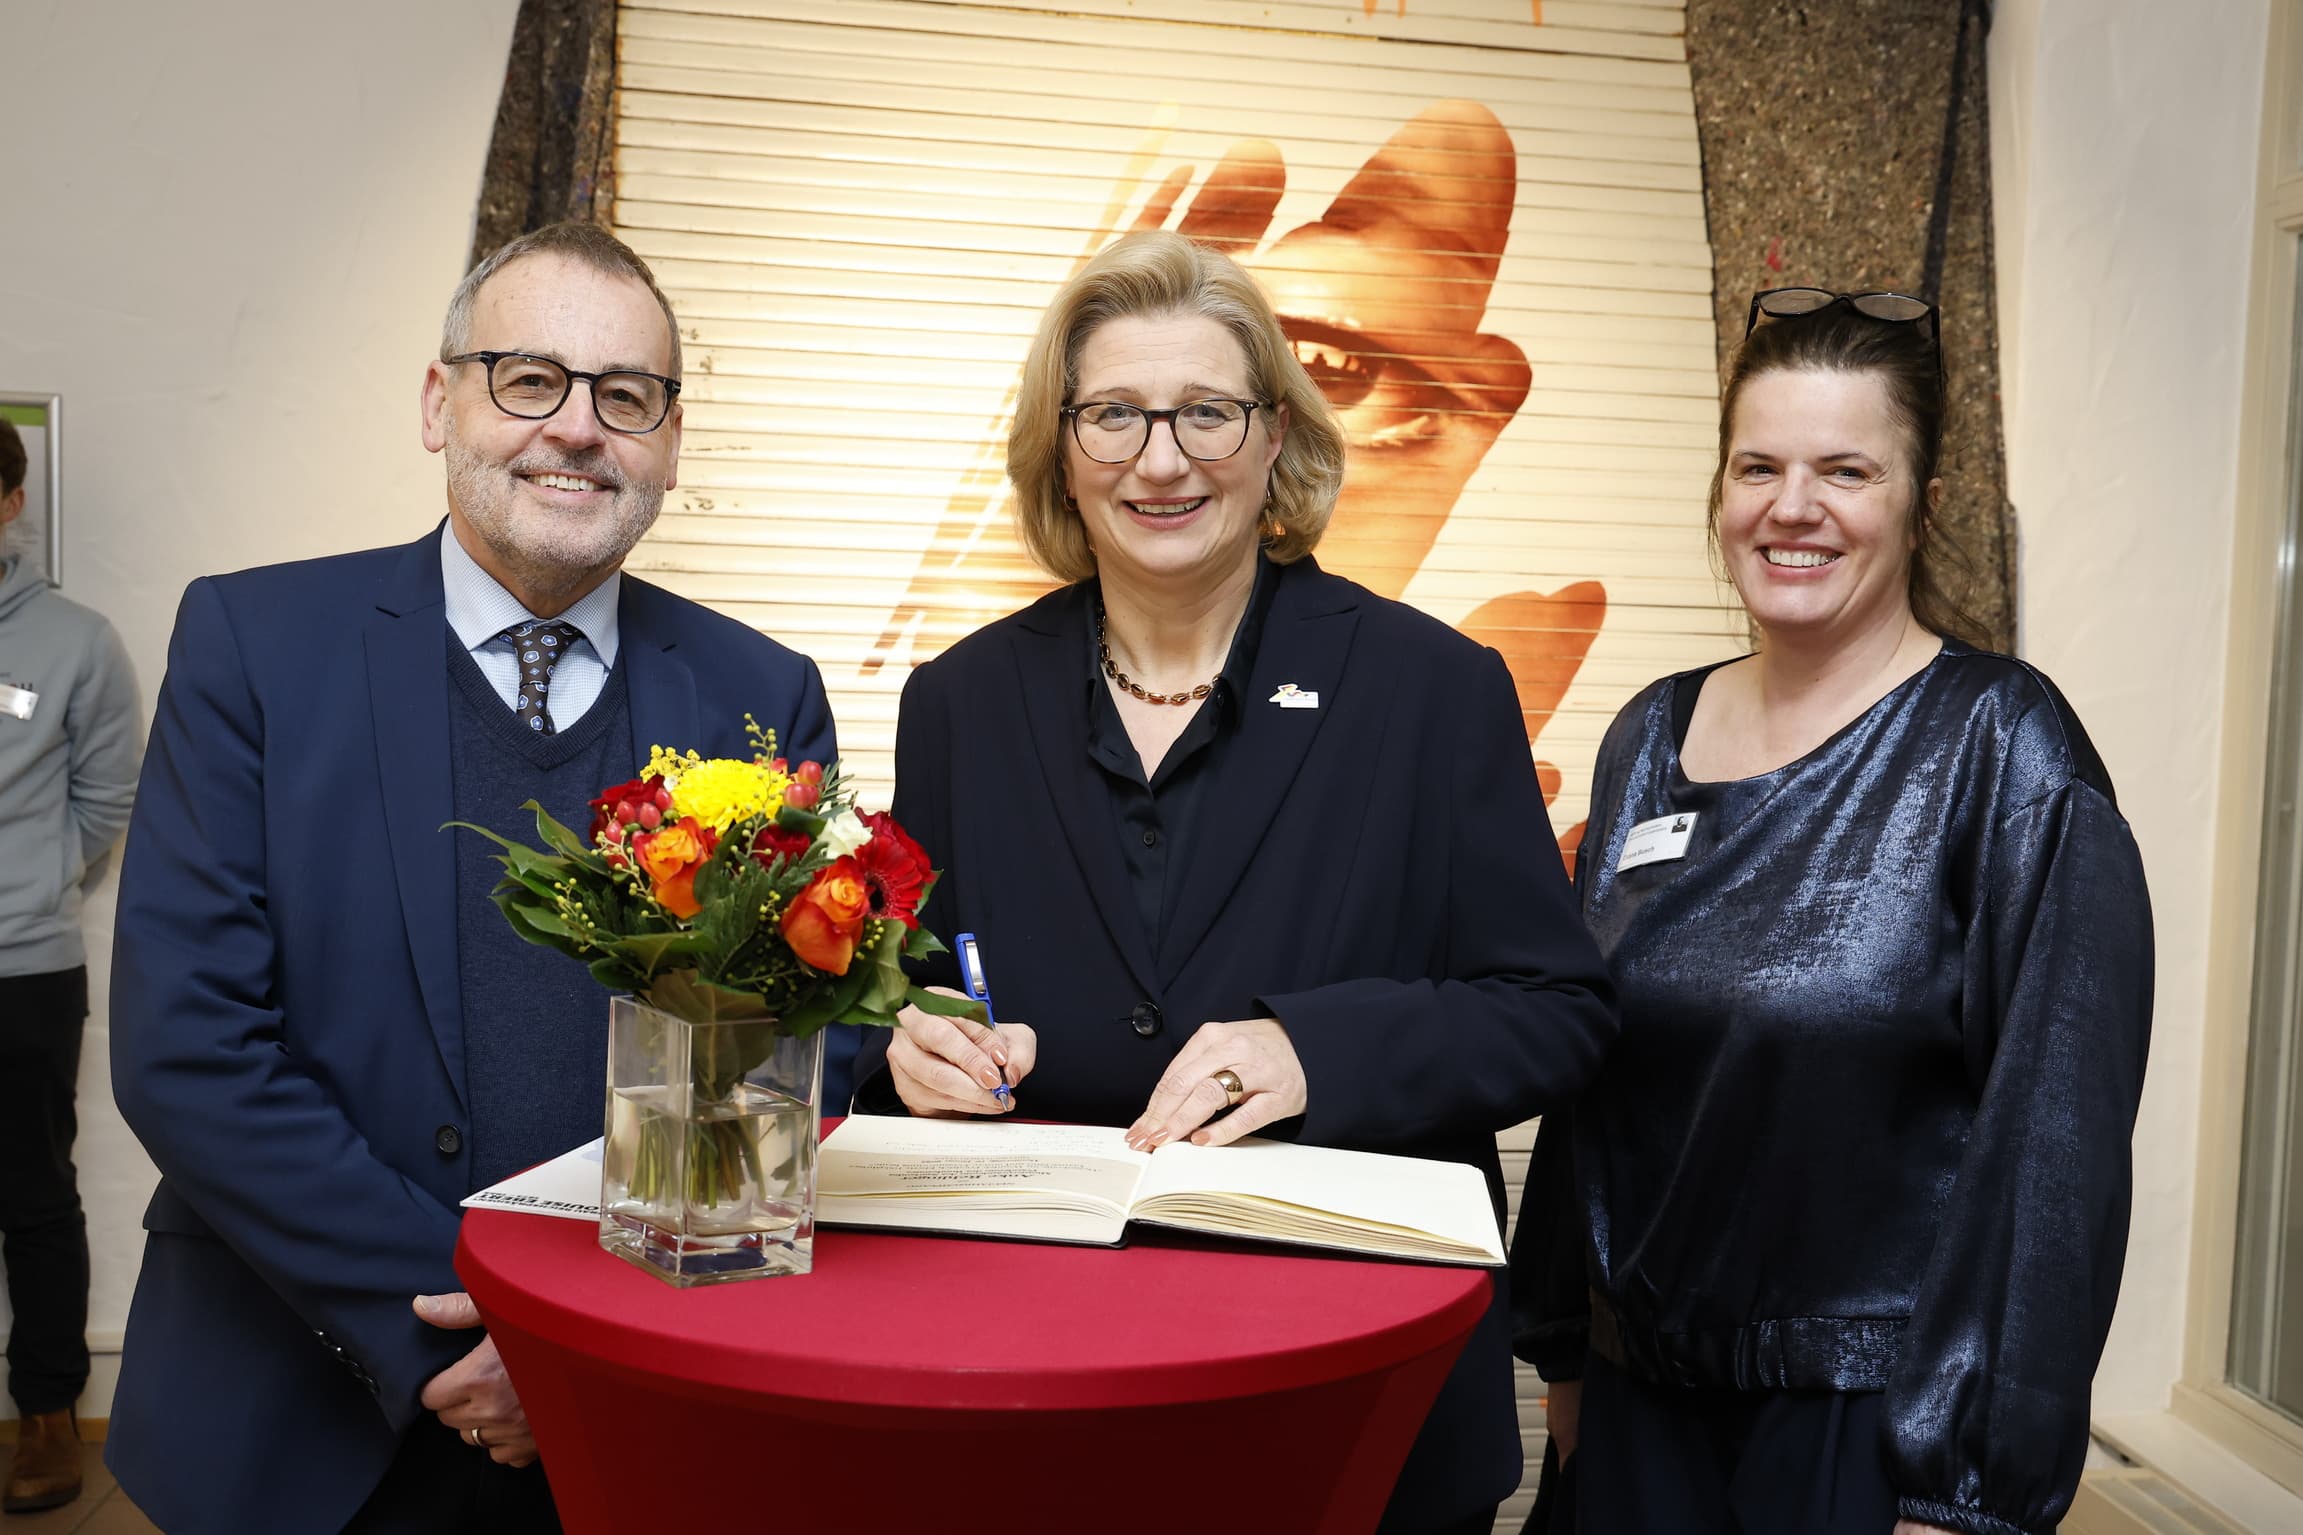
{"x": 322, "y": 1030}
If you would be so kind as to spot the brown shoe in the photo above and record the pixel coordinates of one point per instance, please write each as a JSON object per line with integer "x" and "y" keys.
{"x": 45, "y": 1471}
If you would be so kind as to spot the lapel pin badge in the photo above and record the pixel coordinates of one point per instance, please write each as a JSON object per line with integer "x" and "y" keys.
{"x": 1290, "y": 696}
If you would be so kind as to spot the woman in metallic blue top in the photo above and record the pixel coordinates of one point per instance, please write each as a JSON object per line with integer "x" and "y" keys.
{"x": 1839, "y": 1243}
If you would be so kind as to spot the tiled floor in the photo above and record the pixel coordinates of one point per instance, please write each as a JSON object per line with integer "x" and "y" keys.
{"x": 101, "y": 1509}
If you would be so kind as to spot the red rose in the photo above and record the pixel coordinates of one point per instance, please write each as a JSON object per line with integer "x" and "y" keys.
{"x": 894, "y": 869}
{"x": 618, "y": 807}
{"x": 824, "y": 921}
{"x": 771, "y": 840}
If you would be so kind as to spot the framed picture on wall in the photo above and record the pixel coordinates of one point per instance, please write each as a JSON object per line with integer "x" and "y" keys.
{"x": 38, "y": 535}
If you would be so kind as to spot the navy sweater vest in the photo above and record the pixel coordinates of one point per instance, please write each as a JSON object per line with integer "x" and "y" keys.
{"x": 535, "y": 1022}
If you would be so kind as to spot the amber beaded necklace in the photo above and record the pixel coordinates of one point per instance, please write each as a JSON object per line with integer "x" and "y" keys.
{"x": 1127, "y": 684}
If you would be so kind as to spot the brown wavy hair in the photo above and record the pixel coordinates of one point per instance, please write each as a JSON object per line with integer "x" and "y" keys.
{"x": 1904, "y": 359}
{"x": 1159, "y": 273}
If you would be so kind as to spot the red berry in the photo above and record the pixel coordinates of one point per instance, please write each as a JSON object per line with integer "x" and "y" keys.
{"x": 809, "y": 772}
{"x": 802, "y": 795}
{"x": 663, "y": 799}
{"x": 778, "y": 765}
{"x": 651, "y": 817}
{"x": 626, "y": 812}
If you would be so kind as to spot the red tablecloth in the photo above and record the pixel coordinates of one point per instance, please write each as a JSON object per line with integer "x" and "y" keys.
{"x": 928, "y": 1383}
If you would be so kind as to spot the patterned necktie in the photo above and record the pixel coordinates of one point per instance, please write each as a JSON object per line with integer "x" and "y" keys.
{"x": 541, "y": 645}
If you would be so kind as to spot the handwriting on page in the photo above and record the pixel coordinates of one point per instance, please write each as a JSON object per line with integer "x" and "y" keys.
{"x": 987, "y": 1173}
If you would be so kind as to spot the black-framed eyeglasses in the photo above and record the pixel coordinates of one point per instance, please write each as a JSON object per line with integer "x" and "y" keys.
{"x": 533, "y": 388}
{"x": 1208, "y": 430}
{"x": 1888, "y": 308}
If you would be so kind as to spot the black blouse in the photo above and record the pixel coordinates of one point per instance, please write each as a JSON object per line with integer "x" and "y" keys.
{"x": 1866, "y": 1126}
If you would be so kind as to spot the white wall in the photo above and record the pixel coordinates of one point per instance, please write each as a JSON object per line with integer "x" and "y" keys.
{"x": 227, "y": 232}
{"x": 2124, "y": 141}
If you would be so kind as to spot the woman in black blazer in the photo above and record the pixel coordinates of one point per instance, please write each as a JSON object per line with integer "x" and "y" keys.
{"x": 1235, "y": 834}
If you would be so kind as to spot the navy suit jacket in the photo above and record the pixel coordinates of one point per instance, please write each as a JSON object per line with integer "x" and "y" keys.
{"x": 1379, "y": 873}
{"x": 287, "y": 1036}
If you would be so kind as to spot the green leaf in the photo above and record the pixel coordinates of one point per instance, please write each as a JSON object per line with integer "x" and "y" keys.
{"x": 554, "y": 835}
{"x": 886, "y": 984}
{"x": 791, "y": 818}
{"x": 614, "y": 974}
{"x": 801, "y": 1021}
{"x": 544, "y": 921}
{"x": 522, "y": 924}
{"x": 945, "y": 1007}
{"x": 685, "y": 994}
{"x": 518, "y": 857}
{"x": 648, "y": 951}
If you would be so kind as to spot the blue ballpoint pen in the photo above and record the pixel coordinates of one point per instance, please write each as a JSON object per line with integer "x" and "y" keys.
{"x": 972, "y": 977}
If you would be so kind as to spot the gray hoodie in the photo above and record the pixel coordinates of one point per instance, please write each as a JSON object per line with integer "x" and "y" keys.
{"x": 67, "y": 772}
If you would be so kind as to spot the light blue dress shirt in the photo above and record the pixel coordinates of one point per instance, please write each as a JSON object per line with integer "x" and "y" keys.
{"x": 480, "y": 610}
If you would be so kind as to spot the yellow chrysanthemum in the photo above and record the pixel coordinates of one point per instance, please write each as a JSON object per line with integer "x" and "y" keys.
{"x": 718, "y": 791}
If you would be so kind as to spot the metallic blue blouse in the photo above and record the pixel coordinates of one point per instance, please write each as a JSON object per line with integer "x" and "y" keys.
{"x": 1866, "y": 1126}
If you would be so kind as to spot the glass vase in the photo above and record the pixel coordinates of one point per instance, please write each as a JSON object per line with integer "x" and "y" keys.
{"x": 709, "y": 1173}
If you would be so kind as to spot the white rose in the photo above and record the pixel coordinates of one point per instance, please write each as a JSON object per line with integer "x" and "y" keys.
{"x": 843, "y": 834}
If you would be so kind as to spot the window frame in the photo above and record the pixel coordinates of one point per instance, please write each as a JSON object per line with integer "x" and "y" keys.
{"x": 2270, "y": 479}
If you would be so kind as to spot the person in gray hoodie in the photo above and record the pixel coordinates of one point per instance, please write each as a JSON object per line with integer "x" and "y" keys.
{"x": 71, "y": 742}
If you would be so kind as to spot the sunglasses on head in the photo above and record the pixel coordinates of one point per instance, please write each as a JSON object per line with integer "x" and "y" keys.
{"x": 1888, "y": 308}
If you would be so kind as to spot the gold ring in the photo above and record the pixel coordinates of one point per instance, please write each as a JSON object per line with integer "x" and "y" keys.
{"x": 1233, "y": 1089}
{"x": 474, "y": 1435}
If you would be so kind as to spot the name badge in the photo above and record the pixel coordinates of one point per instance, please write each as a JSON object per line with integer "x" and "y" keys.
{"x": 17, "y": 701}
{"x": 1657, "y": 841}
{"x": 1290, "y": 696}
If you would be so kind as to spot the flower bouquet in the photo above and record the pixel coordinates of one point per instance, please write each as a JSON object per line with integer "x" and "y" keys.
{"x": 742, "y": 905}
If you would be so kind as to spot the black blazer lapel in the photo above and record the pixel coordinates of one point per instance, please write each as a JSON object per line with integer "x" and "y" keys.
{"x": 408, "y": 698}
{"x": 1306, "y": 641}
{"x": 1051, "y": 666}
{"x": 659, "y": 680}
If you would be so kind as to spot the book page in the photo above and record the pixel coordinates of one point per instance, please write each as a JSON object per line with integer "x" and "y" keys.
{"x": 567, "y": 1186}
{"x": 1354, "y": 1200}
{"x": 1071, "y": 1182}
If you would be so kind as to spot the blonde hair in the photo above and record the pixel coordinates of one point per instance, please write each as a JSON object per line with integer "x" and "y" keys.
{"x": 1159, "y": 273}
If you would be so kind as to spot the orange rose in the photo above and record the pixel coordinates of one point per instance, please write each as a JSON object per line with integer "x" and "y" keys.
{"x": 824, "y": 920}
{"x": 671, "y": 857}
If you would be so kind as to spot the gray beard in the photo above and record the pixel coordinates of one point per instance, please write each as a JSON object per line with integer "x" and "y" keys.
{"x": 548, "y": 552}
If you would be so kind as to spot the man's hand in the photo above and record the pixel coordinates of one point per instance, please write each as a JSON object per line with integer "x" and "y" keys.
{"x": 474, "y": 1396}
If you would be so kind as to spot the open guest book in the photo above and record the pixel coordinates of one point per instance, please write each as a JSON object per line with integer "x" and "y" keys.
{"x": 1081, "y": 1183}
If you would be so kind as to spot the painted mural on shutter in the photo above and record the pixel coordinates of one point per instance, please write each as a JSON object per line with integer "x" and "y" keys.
{"x": 1481, "y": 221}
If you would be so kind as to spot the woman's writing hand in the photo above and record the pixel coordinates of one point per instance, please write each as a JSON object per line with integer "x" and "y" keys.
{"x": 1189, "y": 1096}
{"x": 949, "y": 1066}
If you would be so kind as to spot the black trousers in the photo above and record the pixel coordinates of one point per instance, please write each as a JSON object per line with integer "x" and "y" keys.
{"x": 1659, "y": 1460}
{"x": 440, "y": 1485}
{"x": 43, "y": 1234}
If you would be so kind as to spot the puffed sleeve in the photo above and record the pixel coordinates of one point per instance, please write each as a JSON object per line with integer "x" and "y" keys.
{"x": 1987, "y": 1407}
{"x": 1550, "y": 1288}
{"x": 1550, "y": 1278}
